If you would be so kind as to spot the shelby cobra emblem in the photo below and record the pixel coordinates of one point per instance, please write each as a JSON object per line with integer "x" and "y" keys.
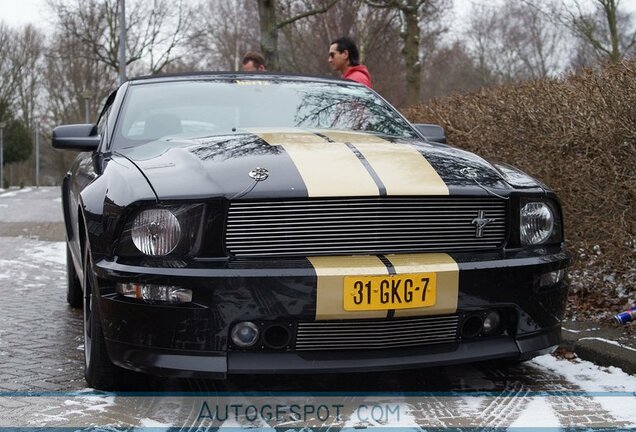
{"x": 259, "y": 174}
{"x": 480, "y": 223}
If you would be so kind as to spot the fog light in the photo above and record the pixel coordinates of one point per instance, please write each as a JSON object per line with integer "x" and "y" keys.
{"x": 552, "y": 278}
{"x": 245, "y": 334}
{"x": 151, "y": 292}
{"x": 491, "y": 322}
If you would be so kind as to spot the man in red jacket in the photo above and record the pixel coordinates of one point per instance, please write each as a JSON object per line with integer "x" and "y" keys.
{"x": 344, "y": 58}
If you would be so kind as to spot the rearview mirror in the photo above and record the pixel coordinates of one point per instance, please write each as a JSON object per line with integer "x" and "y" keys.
{"x": 432, "y": 132}
{"x": 80, "y": 137}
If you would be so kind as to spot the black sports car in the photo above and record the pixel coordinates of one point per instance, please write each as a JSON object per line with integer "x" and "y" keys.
{"x": 231, "y": 223}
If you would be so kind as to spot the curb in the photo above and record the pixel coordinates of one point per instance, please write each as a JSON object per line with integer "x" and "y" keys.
{"x": 602, "y": 345}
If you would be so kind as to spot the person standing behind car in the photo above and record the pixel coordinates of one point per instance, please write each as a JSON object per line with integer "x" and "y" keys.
{"x": 344, "y": 58}
{"x": 253, "y": 62}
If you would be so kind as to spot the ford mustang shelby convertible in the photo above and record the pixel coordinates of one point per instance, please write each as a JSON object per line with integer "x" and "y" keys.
{"x": 232, "y": 223}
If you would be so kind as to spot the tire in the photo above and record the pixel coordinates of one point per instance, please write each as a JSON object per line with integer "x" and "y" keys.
{"x": 74, "y": 293}
{"x": 99, "y": 371}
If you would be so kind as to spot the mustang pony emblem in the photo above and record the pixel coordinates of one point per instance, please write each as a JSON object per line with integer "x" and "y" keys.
{"x": 259, "y": 174}
{"x": 480, "y": 222}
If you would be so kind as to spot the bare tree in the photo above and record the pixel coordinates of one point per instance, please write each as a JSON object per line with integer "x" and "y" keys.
{"x": 517, "y": 40}
{"x": 604, "y": 30}
{"x": 271, "y": 24}
{"x": 8, "y": 42}
{"x": 153, "y": 33}
{"x": 73, "y": 79}
{"x": 21, "y": 51}
{"x": 27, "y": 61}
{"x": 609, "y": 31}
{"x": 450, "y": 69}
{"x": 85, "y": 80}
{"x": 314, "y": 35}
{"x": 222, "y": 31}
{"x": 412, "y": 13}
{"x": 538, "y": 41}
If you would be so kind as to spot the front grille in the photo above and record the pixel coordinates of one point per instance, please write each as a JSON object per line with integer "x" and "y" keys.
{"x": 364, "y": 225}
{"x": 358, "y": 335}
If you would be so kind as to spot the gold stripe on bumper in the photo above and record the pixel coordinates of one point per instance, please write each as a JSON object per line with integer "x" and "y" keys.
{"x": 447, "y": 280}
{"x": 329, "y": 291}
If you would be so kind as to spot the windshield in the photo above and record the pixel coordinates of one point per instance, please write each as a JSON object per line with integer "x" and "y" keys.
{"x": 203, "y": 108}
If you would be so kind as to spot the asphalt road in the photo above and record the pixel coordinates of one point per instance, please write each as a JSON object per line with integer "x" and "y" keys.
{"x": 41, "y": 360}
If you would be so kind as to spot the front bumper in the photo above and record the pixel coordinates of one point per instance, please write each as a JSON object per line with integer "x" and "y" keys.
{"x": 193, "y": 340}
{"x": 219, "y": 365}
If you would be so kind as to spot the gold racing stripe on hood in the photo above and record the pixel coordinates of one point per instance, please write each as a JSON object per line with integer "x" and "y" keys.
{"x": 328, "y": 169}
{"x": 401, "y": 167}
{"x": 331, "y": 271}
{"x": 447, "y": 289}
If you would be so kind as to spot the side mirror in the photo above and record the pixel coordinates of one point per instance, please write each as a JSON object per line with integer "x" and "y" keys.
{"x": 432, "y": 132}
{"x": 81, "y": 137}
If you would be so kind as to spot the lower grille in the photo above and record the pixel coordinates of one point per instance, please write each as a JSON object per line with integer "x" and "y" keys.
{"x": 375, "y": 334}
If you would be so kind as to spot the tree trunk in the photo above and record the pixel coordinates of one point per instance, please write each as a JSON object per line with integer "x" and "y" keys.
{"x": 610, "y": 6}
{"x": 269, "y": 33}
{"x": 411, "y": 37}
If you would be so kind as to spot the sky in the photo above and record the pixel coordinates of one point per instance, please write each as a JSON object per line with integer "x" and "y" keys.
{"x": 19, "y": 12}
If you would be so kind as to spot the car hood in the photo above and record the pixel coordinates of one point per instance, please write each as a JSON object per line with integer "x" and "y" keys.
{"x": 294, "y": 163}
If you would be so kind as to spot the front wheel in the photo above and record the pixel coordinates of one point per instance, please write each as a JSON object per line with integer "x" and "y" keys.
{"x": 99, "y": 371}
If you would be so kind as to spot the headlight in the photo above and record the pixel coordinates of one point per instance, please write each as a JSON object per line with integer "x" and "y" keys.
{"x": 156, "y": 232}
{"x": 536, "y": 223}
{"x": 165, "y": 230}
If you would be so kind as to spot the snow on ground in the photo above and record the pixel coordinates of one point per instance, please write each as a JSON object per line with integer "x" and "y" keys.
{"x": 54, "y": 252}
{"x": 13, "y": 192}
{"x": 156, "y": 426}
{"x": 77, "y": 408}
{"x": 97, "y": 403}
{"x": 595, "y": 379}
{"x": 588, "y": 376}
{"x": 538, "y": 413}
{"x": 28, "y": 264}
{"x": 611, "y": 342}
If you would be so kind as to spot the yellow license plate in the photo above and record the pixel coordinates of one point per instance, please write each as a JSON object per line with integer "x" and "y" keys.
{"x": 404, "y": 291}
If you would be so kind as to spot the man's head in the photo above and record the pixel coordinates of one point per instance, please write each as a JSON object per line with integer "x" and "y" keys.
{"x": 253, "y": 62}
{"x": 343, "y": 53}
